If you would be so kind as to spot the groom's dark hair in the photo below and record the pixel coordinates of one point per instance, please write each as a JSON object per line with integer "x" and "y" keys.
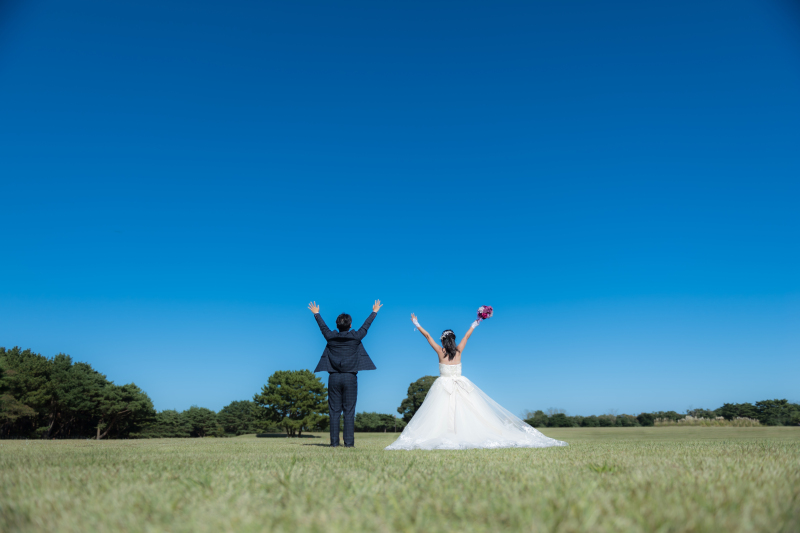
{"x": 343, "y": 322}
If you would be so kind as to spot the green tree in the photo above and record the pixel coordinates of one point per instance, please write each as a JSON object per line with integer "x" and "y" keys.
{"x": 26, "y": 379}
{"x": 668, "y": 415}
{"x": 776, "y": 412}
{"x": 590, "y": 422}
{"x": 75, "y": 390}
{"x": 11, "y": 409}
{"x": 702, "y": 413}
{"x": 239, "y": 418}
{"x": 646, "y": 419}
{"x": 168, "y": 424}
{"x": 417, "y": 392}
{"x": 626, "y": 421}
{"x": 296, "y": 400}
{"x": 536, "y": 419}
{"x": 730, "y": 411}
{"x": 123, "y": 409}
{"x": 378, "y": 422}
{"x": 56, "y": 398}
{"x": 202, "y": 422}
{"x": 559, "y": 420}
{"x": 606, "y": 421}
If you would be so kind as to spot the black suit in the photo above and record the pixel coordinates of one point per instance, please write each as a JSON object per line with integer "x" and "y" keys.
{"x": 343, "y": 357}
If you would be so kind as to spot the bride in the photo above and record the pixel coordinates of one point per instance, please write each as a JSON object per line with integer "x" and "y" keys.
{"x": 457, "y": 415}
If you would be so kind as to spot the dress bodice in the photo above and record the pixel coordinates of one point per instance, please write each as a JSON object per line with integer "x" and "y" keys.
{"x": 449, "y": 371}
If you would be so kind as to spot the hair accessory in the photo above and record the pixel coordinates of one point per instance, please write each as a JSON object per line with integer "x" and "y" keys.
{"x": 446, "y": 332}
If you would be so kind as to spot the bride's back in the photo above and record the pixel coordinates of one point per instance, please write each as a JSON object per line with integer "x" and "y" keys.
{"x": 449, "y": 352}
{"x": 444, "y": 359}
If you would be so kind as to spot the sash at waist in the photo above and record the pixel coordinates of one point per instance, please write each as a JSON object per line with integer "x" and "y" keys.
{"x": 455, "y": 386}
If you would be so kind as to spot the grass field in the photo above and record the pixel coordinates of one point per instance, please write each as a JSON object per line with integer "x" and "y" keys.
{"x": 616, "y": 479}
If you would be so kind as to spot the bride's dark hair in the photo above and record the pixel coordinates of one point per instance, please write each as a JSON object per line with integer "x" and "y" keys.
{"x": 449, "y": 343}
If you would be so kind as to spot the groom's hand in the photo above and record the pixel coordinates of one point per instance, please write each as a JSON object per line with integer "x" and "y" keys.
{"x": 376, "y": 306}
{"x": 314, "y": 307}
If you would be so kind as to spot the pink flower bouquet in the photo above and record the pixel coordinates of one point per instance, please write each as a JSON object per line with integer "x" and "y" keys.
{"x": 485, "y": 311}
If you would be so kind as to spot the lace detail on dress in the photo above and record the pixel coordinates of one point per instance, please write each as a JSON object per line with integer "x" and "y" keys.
{"x": 449, "y": 371}
{"x": 457, "y": 415}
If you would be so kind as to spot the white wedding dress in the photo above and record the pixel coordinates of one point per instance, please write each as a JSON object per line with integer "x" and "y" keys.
{"x": 457, "y": 415}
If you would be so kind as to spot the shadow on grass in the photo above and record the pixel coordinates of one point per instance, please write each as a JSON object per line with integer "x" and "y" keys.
{"x": 284, "y": 436}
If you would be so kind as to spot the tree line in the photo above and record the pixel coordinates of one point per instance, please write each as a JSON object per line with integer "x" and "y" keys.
{"x": 767, "y": 412}
{"x": 58, "y": 398}
{"x": 55, "y": 397}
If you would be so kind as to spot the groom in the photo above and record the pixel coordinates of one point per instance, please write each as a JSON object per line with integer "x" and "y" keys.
{"x": 343, "y": 357}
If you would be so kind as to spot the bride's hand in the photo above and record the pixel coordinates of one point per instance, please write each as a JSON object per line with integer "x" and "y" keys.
{"x": 413, "y": 317}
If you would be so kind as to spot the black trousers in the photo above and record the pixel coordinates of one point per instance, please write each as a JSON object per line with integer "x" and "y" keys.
{"x": 342, "y": 394}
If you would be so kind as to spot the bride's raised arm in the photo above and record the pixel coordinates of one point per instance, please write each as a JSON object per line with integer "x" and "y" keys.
{"x": 427, "y": 335}
{"x": 463, "y": 342}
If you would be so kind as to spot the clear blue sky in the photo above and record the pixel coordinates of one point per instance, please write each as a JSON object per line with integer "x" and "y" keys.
{"x": 620, "y": 180}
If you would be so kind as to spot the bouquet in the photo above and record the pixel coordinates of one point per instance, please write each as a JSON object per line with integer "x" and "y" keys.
{"x": 485, "y": 311}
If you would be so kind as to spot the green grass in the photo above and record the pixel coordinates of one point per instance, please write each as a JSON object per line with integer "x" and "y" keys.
{"x": 615, "y": 479}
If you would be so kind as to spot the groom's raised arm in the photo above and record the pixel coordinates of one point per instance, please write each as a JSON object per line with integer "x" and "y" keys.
{"x": 362, "y": 331}
{"x": 321, "y": 323}
{"x": 322, "y": 326}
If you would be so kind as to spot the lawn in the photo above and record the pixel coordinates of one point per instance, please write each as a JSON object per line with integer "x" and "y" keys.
{"x": 615, "y": 479}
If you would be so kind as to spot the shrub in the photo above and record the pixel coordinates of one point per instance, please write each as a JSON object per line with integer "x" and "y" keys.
{"x": 559, "y": 420}
{"x": 626, "y": 421}
{"x": 707, "y": 422}
{"x": 606, "y": 421}
{"x": 590, "y": 422}
{"x": 646, "y": 419}
{"x": 537, "y": 419}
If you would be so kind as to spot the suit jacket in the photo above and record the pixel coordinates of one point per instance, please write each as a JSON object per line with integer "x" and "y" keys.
{"x": 344, "y": 351}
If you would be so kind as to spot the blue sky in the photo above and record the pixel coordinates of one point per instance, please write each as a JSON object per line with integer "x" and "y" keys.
{"x": 619, "y": 180}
